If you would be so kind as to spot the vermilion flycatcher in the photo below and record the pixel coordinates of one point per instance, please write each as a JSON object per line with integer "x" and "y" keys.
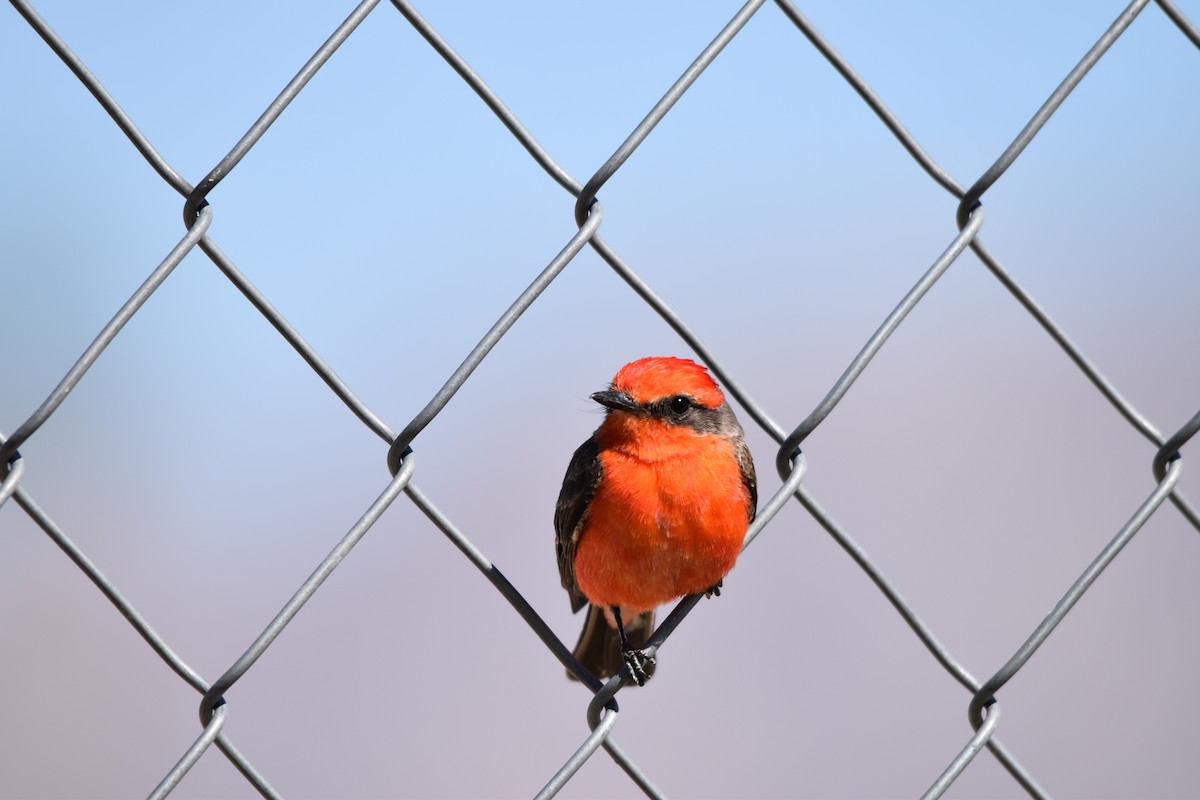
{"x": 654, "y": 506}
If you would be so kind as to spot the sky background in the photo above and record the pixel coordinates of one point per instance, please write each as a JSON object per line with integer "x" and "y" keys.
{"x": 391, "y": 218}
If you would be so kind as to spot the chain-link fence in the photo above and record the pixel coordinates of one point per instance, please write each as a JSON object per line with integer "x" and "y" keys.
{"x": 985, "y": 682}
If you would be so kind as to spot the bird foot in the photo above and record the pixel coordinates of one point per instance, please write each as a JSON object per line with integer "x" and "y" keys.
{"x": 641, "y": 666}
{"x": 715, "y": 591}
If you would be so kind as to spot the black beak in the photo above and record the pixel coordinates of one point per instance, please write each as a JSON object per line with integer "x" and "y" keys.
{"x": 617, "y": 401}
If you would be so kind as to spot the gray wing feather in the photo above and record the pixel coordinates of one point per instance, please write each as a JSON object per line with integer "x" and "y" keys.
{"x": 579, "y": 486}
{"x": 726, "y": 424}
{"x": 749, "y": 480}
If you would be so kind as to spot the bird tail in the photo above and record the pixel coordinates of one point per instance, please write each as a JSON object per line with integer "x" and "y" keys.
{"x": 599, "y": 647}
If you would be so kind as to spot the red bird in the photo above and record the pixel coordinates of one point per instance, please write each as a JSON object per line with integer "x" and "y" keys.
{"x": 654, "y": 506}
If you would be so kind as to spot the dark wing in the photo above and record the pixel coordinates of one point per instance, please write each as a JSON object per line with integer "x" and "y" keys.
{"x": 746, "y": 465}
{"x": 579, "y": 486}
{"x": 723, "y": 423}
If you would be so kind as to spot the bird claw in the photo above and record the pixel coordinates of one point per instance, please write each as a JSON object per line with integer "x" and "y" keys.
{"x": 715, "y": 591}
{"x": 640, "y": 665}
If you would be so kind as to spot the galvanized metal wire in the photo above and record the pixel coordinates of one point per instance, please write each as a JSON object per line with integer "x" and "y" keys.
{"x": 602, "y": 712}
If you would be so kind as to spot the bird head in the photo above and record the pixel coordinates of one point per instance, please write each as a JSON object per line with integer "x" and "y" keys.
{"x": 676, "y": 391}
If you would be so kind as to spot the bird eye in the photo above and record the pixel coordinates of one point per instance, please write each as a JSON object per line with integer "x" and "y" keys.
{"x": 679, "y": 404}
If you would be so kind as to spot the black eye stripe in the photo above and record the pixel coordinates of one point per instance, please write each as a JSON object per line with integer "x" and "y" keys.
{"x": 684, "y": 410}
{"x": 677, "y": 405}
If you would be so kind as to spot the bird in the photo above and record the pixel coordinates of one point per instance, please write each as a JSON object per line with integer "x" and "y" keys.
{"x": 654, "y": 506}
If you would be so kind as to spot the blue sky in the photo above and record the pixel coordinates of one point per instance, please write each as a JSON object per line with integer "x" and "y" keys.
{"x": 391, "y": 218}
